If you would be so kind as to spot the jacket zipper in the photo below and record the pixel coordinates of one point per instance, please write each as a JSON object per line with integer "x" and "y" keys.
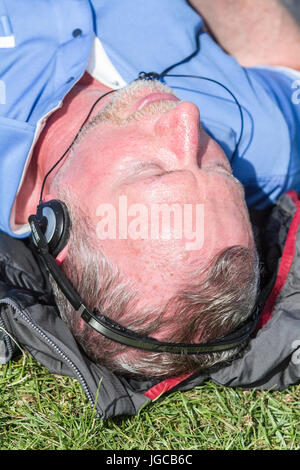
{"x": 7, "y": 339}
{"x": 25, "y": 316}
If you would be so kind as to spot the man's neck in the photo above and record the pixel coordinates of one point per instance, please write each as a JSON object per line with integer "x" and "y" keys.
{"x": 58, "y": 133}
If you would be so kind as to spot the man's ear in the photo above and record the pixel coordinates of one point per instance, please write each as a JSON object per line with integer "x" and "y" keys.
{"x": 61, "y": 256}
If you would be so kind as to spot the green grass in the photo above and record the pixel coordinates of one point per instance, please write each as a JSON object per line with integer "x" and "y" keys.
{"x": 39, "y": 410}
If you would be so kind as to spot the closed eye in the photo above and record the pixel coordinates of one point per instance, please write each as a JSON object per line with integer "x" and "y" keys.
{"x": 223, "y": 169}
{"x": 142, "y": 169}
{"x": 219, "y": 166}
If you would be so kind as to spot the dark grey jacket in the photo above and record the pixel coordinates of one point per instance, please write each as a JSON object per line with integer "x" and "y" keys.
{"x": 272, "y": 360}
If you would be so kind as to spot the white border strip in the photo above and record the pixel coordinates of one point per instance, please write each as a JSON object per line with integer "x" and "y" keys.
{"x": 22, "y": 229}
{"x": 101, "y": 68}
{"x": 7, "y": 41}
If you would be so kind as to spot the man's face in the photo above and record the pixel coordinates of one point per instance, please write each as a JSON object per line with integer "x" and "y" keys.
{"x": 148, "y": 148}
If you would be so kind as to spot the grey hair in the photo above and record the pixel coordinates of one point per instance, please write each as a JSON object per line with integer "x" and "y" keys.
{"x": 203, "y": 311}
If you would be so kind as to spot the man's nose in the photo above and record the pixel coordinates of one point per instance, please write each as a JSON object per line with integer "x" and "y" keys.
{"x": 180, "y": 127}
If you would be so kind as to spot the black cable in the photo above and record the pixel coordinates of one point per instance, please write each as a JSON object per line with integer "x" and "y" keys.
{"x": 164, "y": 73}
{"x": 233, "y": 96}
{"x": 66, "y": 151}
{"x": 160, "y": 76}
{"x": 186, "y": 59}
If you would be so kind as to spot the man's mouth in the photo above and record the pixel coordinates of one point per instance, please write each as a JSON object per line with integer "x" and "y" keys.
{"x": 157, "y": 96}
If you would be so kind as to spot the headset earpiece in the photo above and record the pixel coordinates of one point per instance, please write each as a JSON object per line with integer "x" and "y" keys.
{"x": 54, "y": 222}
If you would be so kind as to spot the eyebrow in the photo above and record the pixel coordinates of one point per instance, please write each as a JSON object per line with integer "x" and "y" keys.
{"x": 140, "y": 165}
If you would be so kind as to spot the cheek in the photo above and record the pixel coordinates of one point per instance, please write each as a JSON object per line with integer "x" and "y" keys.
{"x": 226, "y": 194}
{"x": 229, "y": 224}
{"x": 226, "y": 216}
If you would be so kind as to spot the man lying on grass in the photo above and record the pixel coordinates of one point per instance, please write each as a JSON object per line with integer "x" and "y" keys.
{"x": 203, "y": 150}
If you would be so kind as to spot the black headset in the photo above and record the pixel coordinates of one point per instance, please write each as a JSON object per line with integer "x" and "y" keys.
{"x": 50, "y": 230}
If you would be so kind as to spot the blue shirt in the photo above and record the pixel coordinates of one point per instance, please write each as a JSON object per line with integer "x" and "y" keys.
{"x": 45, "y": 48}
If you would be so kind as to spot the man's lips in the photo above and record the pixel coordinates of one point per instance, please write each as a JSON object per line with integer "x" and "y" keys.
{"x": 158, "y": 96}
